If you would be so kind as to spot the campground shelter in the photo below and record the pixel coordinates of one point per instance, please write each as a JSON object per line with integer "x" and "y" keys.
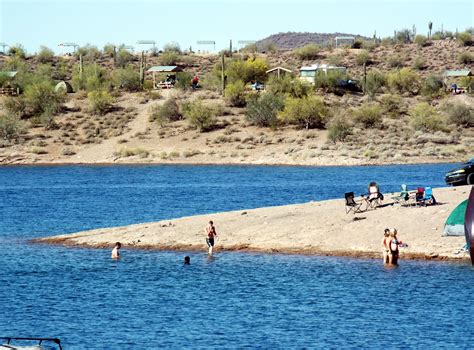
{"x": 279, "y": 71}
{"x": 172, "y": 70}
{"x": 308, "y": 73}
{"x": 457, "y": 73}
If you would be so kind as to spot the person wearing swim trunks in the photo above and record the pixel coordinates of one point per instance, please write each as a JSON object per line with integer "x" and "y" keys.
{"x": 211, "y": 233}
{"x": 115, "y": 251}
{"x": 385, "y": 246}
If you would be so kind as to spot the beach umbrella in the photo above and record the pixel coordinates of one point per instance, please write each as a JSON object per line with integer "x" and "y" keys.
{"x": 454, "y": 225}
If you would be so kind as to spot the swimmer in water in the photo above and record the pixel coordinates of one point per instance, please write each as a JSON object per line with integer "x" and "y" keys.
{"x": 187, "y": 260}
{"x": 115, "y": 251}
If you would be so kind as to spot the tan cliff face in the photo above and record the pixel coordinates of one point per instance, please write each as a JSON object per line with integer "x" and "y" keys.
{"x": 321, "y": 228}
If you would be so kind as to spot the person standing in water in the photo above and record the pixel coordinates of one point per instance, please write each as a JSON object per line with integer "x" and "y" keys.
{"x": 211, "y": 233}
{"x": 393, "y": 246}
{"x": 115, "y": 251}
{"x": 385, "y": 245}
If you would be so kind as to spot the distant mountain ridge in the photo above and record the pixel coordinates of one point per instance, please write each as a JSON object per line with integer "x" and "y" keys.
{"x": 293, "y": 40}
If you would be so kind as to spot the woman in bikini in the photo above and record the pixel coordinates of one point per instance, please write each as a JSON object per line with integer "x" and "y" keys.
{"x": 393, "y": 245}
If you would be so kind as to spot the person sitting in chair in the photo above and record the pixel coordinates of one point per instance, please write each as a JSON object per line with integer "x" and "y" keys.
{"x": 374, "y": 197}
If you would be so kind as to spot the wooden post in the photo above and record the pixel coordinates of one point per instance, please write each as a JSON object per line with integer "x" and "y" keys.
{"x": 223, "y": 74}
{"x": 80, "y": 66}
{"x": 365, "y": 78}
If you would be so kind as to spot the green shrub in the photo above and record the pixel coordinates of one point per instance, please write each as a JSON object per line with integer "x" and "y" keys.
{"x": 307, "y": 112}
{"x": 263, "y": 111}
{"x": 45, "y": 55}
{"x": 127, "y": 78}
{"x": 425, "y": 118}
{"x": 368, "y": 115}
{"x": 100, "y": 101}
{"x": 465, "y": 38}
{"x": 131, "y": 152}
{"x": 235, "y": 94}
{"x": 404, "y": 81}
{"x": 169, "y": 58}
{"x": 329, "y": 81}
{"x": 339, "y": 128}
{"x": 404, "y": 36}
{"x": 459, "y": 113}
{"x": 15, "y": 106}
{"x": 11, "y": 127}
{"x": 419, "y": 63}
{"x": 47, "y": 119}
{"x": 200, "y": 116}
{"x": 168, "y": 112}
{"x": 183, "y": 80}
{"x": 172, "y": 47}
{"x": 4, "y": 79}
{"x": 395, "y": 61}
{"x": 123, "y": 58}
{"x": 248, "y": 71}
{"x": 466, "y": 58}
{"x": 392, "y": 105}
{"x": 289, "y": 86}
{"x": 363, "y": 58}
{"x": 18, "y": 51}
{"x": 335, "y": 60}
{"x": 89, "y": 52}
{"x": 375, "y": 80}
{"x": 369, "y": 45}
{"x": 308, "y": 52}
{"x": 93, "y": 78}
{"x": 109, "y": 50}
{"x": 40, "y": 97}
{"x": 432, "y": 86}
{"x": 422, "y": 40}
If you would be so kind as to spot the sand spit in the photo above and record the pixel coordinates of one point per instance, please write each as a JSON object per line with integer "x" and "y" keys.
{"x": 320, "y": 228}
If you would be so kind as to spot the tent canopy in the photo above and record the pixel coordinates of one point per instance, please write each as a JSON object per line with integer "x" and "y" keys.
{"x": 454, "y": 225}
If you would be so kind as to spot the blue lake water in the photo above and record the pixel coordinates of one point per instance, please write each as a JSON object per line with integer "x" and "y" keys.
{"x": 237, "y": 300}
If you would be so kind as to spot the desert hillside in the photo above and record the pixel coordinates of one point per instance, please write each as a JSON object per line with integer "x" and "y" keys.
{"x": 404, "y": 115}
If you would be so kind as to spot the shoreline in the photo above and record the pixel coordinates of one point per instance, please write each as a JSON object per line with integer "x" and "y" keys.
{"x": 313, "y": 228}
{"x": 171, "y": 163}
{"x": 244, "y": 249}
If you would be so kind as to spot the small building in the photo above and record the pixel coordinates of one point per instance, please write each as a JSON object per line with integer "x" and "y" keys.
{"x": 451, "y": 77}
{"x": 349, "y": 39}
{"x": 167, "y": 72}
{"x": 279, "y": 71}
{"x": 308, "y": 73}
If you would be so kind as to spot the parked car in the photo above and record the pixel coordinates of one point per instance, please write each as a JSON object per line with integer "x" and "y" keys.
{"x": 462, "y": 175}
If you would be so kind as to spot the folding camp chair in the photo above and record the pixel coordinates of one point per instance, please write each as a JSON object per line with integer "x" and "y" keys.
{"x": 404, "y": 197}
{"x": 352, "y": 204}
{"x": 427, "y": 197}
{"x": 420, "y": 196}
{"x": 374, "y": 197}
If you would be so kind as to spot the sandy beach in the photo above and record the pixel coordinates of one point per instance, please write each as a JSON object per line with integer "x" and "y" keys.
{"x": 319, "y": 228}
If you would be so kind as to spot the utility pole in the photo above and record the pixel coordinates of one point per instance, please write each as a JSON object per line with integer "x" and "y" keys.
{"x": 142, "y": 70}
{"x": 223, "y": 74}
{"x": 230, "y": 48}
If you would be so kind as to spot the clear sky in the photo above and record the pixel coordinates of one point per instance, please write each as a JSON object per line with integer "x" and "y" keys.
{"x": 49, "y": 22}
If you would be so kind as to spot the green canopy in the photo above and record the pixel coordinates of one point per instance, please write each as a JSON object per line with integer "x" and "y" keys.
{"x": 454, "y": 225}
